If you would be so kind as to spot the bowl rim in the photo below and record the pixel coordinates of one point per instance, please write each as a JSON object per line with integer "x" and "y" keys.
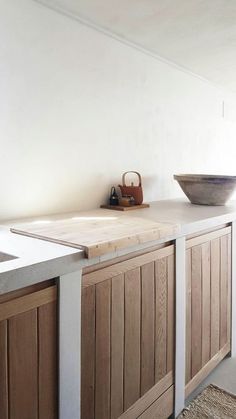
{"x": 202, "y": 177}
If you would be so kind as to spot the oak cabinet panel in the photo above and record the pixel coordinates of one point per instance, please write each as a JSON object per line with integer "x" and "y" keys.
{"x": 128, "y": 337}
{"x": 28, "y": 354}
{"x": 208, "y": 290}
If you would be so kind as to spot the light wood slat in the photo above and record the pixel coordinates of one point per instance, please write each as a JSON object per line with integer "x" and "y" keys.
{"x": 162, "y": 408}
{"x": 206, "y": 306}
{"x": 146, "y": 400}
{"x": 3, "y": 371}
{"x": 161, "y": 318}
{"x": 188, "y": 372}
{"x": 122, "y": 267}
{"x": 88, "y": 353}
{"x": 229, "y": 284}
{"x": 170, "y": 314}
{"x": 205, "y": 371}
{"x": 196, "y": 241}
{"x": 223, "y": 289}
{"x": 196, "y": 310}
{"x": 27, "y": 302}
{"x": 132, "y": 337}
{"x": 26, "y": 290}
{"x": 23, "y": 359}
{"x": 215, "y": 296}
{"x": 117, "y": 346}
{"x": 48, "y": 362}
{"x": 207, "y": 231}
{"x": 147, "y": 337}
{"x": 102, "y": 383}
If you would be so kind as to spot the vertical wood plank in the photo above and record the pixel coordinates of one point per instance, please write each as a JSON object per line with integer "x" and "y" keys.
{"x": 215, "y": 296}
{"x": 196, "y": 310}
{"x": 161, "y": 318}
{"x": 170, "y": 312}
{"x": 23, "y": 371}
{"x": 223, "y": 289}
{"x": 206, "y": 306}
{"x": 147, "y": 322}
{"x": 88, "y": 352}
{"x": 117, "y": 346}
{"x": 3, "y": 371}
{"x": 48, "y": 361}
{"x": 103, "y": 314}
{"x": 188, "y": 372}
{"x": 132, "y": 337}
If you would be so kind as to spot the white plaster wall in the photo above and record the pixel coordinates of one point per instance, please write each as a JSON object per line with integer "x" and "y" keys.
{"x": 78, "y": 108}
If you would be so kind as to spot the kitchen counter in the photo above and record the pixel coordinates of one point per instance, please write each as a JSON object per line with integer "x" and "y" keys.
{"x": 174, "y": 211}
{"x": 38, "y": 259}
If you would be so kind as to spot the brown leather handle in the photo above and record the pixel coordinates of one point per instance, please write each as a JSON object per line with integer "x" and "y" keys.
{"x": 131, "y": 171}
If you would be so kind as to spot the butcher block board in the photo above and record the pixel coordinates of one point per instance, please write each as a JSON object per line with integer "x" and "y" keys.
{"x": 97, "y": 235}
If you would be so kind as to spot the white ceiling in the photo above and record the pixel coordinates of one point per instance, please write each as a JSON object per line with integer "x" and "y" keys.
{"x": 199, "y": 35}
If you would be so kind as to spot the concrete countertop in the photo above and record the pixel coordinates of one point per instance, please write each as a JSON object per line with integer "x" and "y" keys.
{"x": 36, "y": 260}
{"x": 191, "y": 218}
{"x": 39, "y": 260}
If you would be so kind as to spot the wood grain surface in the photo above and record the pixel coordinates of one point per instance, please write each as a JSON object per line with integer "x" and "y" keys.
{"x": 128, "y": 336}
{"x": 122, "y": 208}
{"x": 97, "y": 234}
{"x": 208, "y": 290}
{"x": 28, "y": 355}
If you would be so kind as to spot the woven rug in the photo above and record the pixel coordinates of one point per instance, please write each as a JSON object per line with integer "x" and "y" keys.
{"x": 212, "y": 403}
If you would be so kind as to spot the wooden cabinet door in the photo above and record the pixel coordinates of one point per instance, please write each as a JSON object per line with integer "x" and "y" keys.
{"x": 128, "y": 338}
{"x": 208, "y": 275}
{"x": 28, "y": 354}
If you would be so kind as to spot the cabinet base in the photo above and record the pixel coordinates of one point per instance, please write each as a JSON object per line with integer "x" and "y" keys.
{"x": 205, "y": 371}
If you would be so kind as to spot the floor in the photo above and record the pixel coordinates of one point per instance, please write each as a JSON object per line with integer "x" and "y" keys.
{"x": 223, "y": 376}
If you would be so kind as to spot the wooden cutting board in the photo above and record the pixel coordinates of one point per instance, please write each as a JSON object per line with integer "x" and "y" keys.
{"x": 97, "y": 234}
